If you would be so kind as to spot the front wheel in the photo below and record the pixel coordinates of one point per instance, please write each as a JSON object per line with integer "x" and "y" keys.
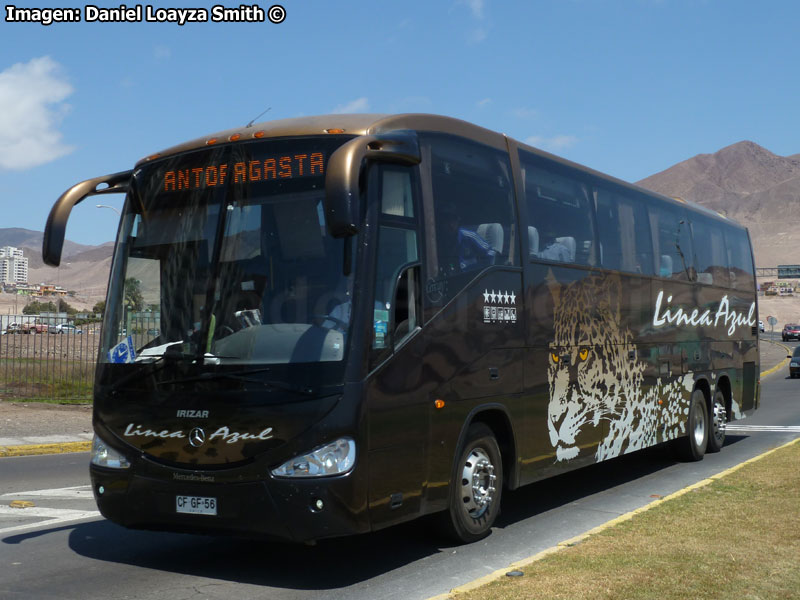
{"x": 475, "y": 487}
{"x": 692, "y": 447}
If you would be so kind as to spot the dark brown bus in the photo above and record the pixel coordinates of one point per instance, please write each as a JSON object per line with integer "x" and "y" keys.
{"x": 325, "y": 326}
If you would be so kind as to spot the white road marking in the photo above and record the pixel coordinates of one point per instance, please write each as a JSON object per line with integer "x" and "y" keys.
{"x": 47, "y": 517}
{"x": 769, "y": 428}
{"x": 71, "y": 493}
{"x": 75, "y": 515}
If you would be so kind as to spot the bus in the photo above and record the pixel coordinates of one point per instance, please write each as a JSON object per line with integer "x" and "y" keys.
{"x": 358, "y": 320}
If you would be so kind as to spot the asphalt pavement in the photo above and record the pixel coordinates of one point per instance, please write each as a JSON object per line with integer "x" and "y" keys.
{"x": 773, "y": 359}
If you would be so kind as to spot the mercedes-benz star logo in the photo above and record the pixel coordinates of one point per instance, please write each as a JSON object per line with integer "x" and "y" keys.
{"x": 197, "y": 437}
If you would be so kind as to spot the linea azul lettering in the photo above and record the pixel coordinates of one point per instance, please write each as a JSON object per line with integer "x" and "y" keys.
{"x": 232, "y": 437}
{"x": 678, "y": 316}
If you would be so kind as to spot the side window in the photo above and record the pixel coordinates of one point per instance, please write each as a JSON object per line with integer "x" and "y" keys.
{"x": 710, "y": 253}
{"x": 740, "y": 260}
{"x": 397, "y": 197}
{"x": 560, "y": 222}
{"x": 672, "y": 242}
{"x": 473, "y": 222}
{"x": 623, "y": 232}
{"x": 397, "y": 247}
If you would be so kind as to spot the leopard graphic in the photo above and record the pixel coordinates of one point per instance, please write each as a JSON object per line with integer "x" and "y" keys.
{"x": 597, "y": 381}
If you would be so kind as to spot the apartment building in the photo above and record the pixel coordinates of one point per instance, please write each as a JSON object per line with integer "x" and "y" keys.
{"x": 13, "y": 266}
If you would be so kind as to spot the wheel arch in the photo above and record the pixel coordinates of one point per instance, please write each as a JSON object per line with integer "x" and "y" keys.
{"x": 497, "y": 418}
{"x": 704, "y": 385}
{"x": 724, "y": 386}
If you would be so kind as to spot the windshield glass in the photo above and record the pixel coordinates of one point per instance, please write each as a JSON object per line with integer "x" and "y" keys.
{"x": 223, "y": 258}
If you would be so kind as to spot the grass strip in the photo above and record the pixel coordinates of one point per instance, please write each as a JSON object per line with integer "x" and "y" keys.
{"x": 737, "y": 537}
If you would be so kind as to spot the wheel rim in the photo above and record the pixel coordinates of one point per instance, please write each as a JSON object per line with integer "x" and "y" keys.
{"x": 719, "y": 422}
{"x": 477, "y": 483}
{"x": 699, "y": 427}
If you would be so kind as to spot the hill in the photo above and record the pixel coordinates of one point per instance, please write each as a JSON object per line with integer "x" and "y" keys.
{"x": 747, "y": 183}
{"x": 31, "y": 241}
{"x": 84, "y": 269}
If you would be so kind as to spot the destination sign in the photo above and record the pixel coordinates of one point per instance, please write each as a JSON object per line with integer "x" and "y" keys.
{"x": 289, "y": 166}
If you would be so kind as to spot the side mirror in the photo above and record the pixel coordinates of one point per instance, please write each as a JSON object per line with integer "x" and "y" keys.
{"x": 56, "y": 226}
{"x": 344, "y": 170}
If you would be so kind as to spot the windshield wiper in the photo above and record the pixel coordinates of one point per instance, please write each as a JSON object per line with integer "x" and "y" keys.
{"x": 244, "y": 376}
{"x": 137, "y": 373}
{"x": 171, "y": 355}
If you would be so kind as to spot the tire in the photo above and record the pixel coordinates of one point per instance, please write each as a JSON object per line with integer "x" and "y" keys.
{"x": 717, "y": 423}
{"x": 692, "y": 447}
{"x": 476, "y": 486}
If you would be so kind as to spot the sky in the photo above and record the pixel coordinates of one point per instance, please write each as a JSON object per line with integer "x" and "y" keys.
{"x": 627, "y": 87}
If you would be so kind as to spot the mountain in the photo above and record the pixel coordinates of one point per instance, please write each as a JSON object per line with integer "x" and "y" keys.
{"x": 84, "y": 269}
{"x": 749, "y": 184}
{"x": 32, "y": 241}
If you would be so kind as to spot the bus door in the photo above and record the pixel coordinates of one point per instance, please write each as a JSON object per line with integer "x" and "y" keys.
{"x": 397, "y": 407}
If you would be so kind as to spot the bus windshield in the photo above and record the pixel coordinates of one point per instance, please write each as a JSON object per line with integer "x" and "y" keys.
{"x": 223, "y": 257}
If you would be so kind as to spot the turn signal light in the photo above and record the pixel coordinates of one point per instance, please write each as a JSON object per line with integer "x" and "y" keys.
{"x": 439, "y": 403}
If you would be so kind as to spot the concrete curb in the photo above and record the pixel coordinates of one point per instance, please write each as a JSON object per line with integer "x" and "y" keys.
{"x": 38, "y": 449}
{"x": 781, "y": 364}
{"x": 521, "y": 564}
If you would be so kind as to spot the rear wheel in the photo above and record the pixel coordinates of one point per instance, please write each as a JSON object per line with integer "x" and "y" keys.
{"x": 693, "y": 446}
{"x": 719, "y": 420}
{"x": 475, "y": 487}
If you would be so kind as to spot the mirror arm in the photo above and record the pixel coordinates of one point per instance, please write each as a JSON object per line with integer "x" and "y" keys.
{"x": 344, "y": 170}
{"x": 56, "y": 227}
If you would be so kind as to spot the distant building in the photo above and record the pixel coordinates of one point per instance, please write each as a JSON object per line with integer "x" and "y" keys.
{"x": 47, "y": 289}
{"x": 788, "y": 271}
{"x": 13, "y": 266}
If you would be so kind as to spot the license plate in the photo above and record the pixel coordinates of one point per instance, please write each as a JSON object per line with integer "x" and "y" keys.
{"x": 196, "y": 505}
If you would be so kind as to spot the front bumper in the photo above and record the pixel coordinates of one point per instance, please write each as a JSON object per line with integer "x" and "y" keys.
{"x": 266, "y": 508}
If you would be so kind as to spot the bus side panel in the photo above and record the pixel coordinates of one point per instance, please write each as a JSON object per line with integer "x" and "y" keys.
{"x": 461, "y": 357}
{"x": 543, "y": 285}
{"x": 615, "y": 370}
{"x": 730, "y": 345}
{"x": 478, "y": 361}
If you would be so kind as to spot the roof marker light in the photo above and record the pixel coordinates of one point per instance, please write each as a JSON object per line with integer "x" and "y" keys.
{"x": 211, "y": 142}
{"x": 234, "y": 137}
{"x": 259, "y": 134}
{"x": 334, "y": 130}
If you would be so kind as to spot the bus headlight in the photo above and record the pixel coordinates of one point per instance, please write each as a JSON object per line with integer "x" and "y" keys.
{"x": 335, "y": 458}
{"x": 105, "y": 456}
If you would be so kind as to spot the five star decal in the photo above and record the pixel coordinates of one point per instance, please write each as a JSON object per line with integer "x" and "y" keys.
{"x": 499, "y": 297}
{"x": 499, "y": 306}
